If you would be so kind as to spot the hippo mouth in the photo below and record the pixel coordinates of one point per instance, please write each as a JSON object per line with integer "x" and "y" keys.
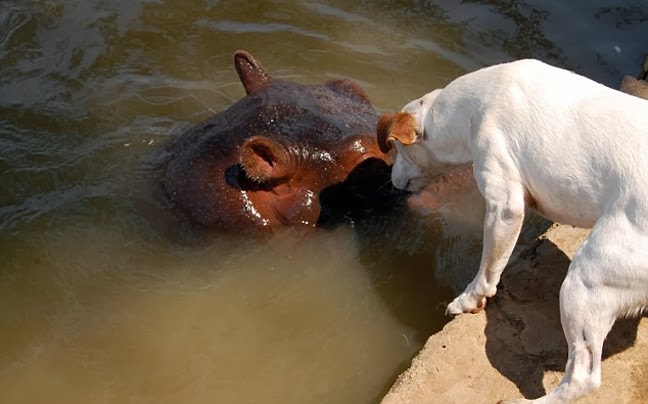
{"x": 296, "y": 208}
{"x": 273, "y": 201}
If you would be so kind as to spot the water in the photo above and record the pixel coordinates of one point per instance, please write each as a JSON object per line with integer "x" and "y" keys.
{"x": 105, "y": 297}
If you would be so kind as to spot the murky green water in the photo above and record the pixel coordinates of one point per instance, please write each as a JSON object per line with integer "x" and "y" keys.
{"x": 106, "y": 298}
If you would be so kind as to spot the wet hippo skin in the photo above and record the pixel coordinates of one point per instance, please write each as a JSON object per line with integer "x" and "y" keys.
{"x": 261, "y": 164}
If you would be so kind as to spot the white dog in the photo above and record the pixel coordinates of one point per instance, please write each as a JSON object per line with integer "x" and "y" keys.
{"x": 568, "y": 147}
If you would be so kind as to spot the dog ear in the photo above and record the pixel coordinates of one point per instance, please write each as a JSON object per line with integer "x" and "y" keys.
{"x": 401, "y": 126}
{"x": 264, "y": 159}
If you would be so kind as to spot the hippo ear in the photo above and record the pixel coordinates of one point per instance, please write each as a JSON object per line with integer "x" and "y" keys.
{"x": 348, "y": 88}
{"x": 401, "y": 126}
{"x": 252, "y": 74}
{"x": 264, "y": 159}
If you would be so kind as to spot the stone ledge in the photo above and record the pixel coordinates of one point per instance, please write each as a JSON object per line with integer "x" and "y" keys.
{"x": 516, "y": 346}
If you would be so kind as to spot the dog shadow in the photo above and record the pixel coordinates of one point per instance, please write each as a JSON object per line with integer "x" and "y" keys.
{"x": 524, "y": 336}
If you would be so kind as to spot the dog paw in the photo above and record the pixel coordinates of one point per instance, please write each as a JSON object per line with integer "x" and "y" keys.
{"x": 466, "y": 303}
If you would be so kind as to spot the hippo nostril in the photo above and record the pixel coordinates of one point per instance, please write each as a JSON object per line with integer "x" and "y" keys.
{"x": 236, "y": 177}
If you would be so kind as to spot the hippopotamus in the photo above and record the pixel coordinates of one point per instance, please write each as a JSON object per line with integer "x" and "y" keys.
{"x": 261, "y": 164}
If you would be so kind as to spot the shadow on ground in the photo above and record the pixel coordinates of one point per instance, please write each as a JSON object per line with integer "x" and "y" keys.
{"x": 524, "y": 337}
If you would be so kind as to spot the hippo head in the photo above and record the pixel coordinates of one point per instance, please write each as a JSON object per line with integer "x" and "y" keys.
{"x": 263, "y": 162}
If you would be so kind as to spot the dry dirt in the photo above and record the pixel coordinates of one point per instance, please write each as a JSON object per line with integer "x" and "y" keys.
{"x": 516, "y": 347}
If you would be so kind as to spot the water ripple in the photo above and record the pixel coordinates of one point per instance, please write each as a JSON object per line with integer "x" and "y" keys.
{"x": 41, "y": 205}
{"x": 242, "y": 27}
{"x": 11, "y": 20}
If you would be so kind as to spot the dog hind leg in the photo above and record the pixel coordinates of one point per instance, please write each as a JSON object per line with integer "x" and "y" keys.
{"x": 605, "y": 280}
{"x": 586, "y": 322}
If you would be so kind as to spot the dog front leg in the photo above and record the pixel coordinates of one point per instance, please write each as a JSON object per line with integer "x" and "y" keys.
{"x": 502, "y": 225}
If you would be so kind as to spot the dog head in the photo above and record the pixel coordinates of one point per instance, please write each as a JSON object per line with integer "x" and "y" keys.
{"x": 403, "y": 131}
{"x": 422, "y": 151}
{"x": 405, "y": 127}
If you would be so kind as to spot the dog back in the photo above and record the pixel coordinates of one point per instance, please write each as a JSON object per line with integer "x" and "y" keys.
{"x": 578, "y": 146}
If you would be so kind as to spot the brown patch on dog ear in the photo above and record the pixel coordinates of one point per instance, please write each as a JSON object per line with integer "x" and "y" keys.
{"x": 401, "y": 126}
{"x": 253, "y": 76}
{"x": 264, "y": 159}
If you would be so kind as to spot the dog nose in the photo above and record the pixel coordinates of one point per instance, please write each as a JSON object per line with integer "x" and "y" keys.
{"x": 400, "y": 184}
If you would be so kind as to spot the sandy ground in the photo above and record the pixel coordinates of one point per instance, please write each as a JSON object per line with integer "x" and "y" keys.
{"x": 516, "y": 347}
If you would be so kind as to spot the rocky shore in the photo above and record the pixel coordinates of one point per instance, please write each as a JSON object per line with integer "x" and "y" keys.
{"x": 515, "y": 347}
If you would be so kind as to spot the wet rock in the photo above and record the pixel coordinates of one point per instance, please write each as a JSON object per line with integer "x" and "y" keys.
{"x": 637, "y": 86}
